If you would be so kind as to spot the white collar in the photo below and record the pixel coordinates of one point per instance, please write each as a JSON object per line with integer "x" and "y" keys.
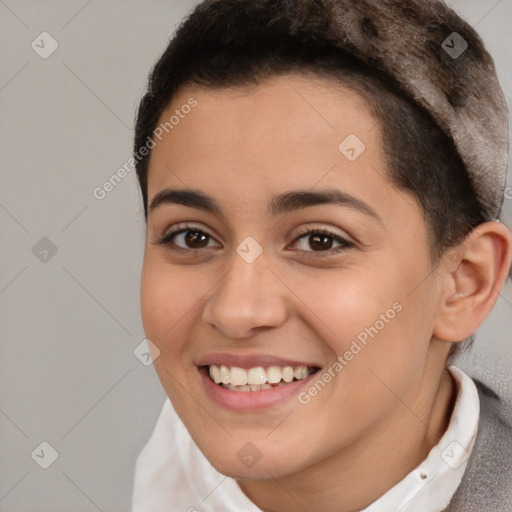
{"x": 431, "y": 485}
{"x": 171, "y": 473}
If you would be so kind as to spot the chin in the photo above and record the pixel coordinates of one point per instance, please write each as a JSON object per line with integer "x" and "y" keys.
{"x": 248, "y": 463}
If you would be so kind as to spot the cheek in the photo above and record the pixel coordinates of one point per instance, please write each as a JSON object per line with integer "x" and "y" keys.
{"x": 167, "y": 297}
{"x": 376, "y": 323}
{"x": 347, "y": 303}
{"x": 380, "y": 341}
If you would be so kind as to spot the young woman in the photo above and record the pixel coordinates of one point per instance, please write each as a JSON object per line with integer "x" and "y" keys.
{"x": 322, "y": 182}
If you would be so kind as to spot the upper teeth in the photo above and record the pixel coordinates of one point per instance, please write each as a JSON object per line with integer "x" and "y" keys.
{"x": 256, "y": 376}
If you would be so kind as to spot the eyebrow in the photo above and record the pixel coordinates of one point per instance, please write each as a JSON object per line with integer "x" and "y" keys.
{"x": 280, "y": 204}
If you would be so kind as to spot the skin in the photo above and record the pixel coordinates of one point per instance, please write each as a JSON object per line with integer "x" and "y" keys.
{"x": 392, "y": 402}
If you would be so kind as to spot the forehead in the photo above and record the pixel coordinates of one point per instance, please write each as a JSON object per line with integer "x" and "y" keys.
{"x": 285, "y": 128}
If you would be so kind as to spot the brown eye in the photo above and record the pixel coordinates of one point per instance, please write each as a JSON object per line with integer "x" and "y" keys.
{"x": 188, "y": 239}
{"x": 322, "y": 241}
{"x": 196, "y": 239}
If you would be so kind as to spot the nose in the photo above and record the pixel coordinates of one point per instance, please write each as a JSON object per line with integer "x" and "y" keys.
{"x": 249, "y": 298}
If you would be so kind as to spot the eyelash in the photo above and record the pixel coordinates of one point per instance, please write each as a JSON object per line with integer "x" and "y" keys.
{"x": 345, "y": 244}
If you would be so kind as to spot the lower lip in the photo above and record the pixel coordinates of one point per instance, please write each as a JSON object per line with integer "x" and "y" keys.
{"x": 247, "y": 401}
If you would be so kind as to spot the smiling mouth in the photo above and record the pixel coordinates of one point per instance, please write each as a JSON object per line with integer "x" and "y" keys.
{"x": 258, "y": 378}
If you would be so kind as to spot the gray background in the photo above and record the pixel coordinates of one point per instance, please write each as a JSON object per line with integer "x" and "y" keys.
{"x": 70, "y": 323}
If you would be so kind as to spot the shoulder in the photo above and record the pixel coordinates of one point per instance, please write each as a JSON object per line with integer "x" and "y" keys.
{"x": 159, "y": 473}
{"x": 486, "y": 481}
{"x": 171, "y": 473}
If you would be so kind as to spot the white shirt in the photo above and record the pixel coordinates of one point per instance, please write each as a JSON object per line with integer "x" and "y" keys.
{"x": 171, "y": 473}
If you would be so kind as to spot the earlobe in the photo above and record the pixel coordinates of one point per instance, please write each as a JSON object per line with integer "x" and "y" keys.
{"x": 475, "y": 274}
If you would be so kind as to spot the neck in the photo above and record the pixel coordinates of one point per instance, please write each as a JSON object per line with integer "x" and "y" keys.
{"x": 352, "y": 479}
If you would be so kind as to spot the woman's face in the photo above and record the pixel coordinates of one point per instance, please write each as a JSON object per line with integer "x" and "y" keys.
{"x": 241, "y": 288}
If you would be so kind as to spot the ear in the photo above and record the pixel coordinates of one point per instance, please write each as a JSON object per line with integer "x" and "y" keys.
{"x": 472, "y": 276}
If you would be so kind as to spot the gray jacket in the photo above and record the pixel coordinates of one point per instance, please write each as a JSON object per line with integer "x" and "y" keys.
{"x": 487, "y": 482}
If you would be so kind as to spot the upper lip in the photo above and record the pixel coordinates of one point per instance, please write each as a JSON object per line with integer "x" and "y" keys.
{"x": 250, "y": 361}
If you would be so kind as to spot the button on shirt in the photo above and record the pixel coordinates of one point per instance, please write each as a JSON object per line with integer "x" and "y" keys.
{"x": 171, "y": 473}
